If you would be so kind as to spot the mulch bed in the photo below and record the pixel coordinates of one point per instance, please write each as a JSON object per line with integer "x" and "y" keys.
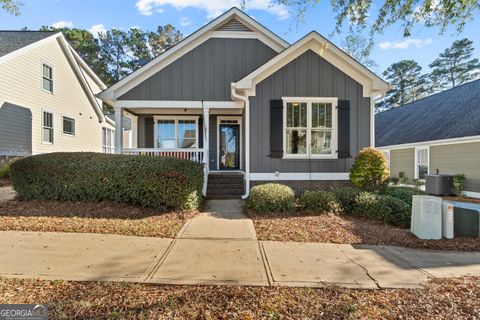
{"x": 457, "y": 298}
{"x": 4, "y": 182}
{"x": 102, "y": 217}
{"x": 347, "y": 230}
{"x": 462, "y": 199}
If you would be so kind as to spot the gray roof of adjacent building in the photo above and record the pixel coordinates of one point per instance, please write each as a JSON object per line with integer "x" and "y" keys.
{"x": 453, "y": 113}
{"x": 11, "y": 41}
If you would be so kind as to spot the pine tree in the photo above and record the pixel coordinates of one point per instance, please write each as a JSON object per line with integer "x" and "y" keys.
{"x": 455, "y": 65}
{"x": 163, "y": 39}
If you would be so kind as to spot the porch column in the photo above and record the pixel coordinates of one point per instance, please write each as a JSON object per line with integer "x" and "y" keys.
{"x": 206, "y": 121}
{"x": 118, "y": 129}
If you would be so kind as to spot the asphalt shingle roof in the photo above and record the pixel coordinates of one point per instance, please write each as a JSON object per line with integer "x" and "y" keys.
{"x": 453, "y": 113}
{"x": 14, "y": 40}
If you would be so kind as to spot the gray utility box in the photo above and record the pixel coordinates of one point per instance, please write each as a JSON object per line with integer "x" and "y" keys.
{"x": 466, "y": 219}
{"x": 439, "y": 184}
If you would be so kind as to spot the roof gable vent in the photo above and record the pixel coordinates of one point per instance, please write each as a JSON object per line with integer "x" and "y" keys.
{"x": 233, "y": 25}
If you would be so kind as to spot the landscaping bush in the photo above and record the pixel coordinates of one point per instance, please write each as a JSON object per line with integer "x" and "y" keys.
{"x": 383, "y": 208}
{"x": 347, "y": 197}
{"x": 4, "y": 170}
{"x": 320, "y": 202}
{"x": 370, "y": 171}
{"x": 403, "y": 193}
{"x": 271, "y": 197}
{"x": 158, "y": 182}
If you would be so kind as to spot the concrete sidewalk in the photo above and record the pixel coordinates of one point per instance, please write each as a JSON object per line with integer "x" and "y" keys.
{"x": 6, "y": 193}
{"x": 220, "y": 247}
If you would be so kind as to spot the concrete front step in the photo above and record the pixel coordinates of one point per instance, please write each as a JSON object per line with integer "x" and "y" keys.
{"x": 222, "y": 196}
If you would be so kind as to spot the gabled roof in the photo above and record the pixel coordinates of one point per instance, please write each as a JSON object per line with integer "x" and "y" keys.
{"x": 372, "y": 84}
{"x": 27, "y": 40}
{"x": 453, "y": 113}
{"x": 233, "y": 15}
{"x": 13, "y": 40}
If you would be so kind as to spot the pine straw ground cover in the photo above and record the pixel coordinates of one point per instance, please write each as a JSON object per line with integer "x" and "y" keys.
{"x": 457, "y": 298}
{"x": 348, "y": 230}
{"x": 102, "y": 217}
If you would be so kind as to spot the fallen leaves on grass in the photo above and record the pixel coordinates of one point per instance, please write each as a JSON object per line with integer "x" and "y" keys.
{"x": 103, "y": 217}
{"x": 457, "y": 298}
{"x": 347, "y": 230}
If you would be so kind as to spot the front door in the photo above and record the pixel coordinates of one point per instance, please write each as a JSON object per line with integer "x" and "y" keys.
{"x": 229, "y": 146}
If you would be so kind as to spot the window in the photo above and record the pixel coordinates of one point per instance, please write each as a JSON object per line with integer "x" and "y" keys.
{"x": 421, "y": 162}
{"x": 47, "y": 127}
{"x": 108, "y": 145}
{"x": 176, "y": 133}
{"x": 68, "y": 126}
{"x": 47, "y": 78}
{"x": 310, "y": 127}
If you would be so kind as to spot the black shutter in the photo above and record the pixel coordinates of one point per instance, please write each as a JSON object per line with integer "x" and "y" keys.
{"x": 276, "y": 128}
{"x": 149, "y": 132}
{"x": 344, "y": 129}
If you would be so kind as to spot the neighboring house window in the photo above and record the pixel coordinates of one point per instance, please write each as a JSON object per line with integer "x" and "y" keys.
{"x": 310, "y": 127}
{"x": 421, "y": 162}
{"x": 108, "y": 145}
{"x": 176, "y": 133}
{"x": 47, "y": 78}
{"x": 47, "y": 127}
{"x": 68, "y": 126}
{"x": 386, "y": 153}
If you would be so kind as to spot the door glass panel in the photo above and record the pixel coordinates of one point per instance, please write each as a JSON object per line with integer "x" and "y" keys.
{"x": 229, "y": 147}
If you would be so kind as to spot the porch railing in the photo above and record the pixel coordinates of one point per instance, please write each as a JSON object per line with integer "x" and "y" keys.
{"x": 196, "y": 155}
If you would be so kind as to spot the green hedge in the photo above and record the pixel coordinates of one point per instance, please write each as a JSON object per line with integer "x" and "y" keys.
{"x": 383, "y": 208}
{"x": 404, "y": 193}
{"x": 158, "y": 182}
{"x": 320, "y": 202}
{"x": 347, "y": 198}
{"x": 271, "y": 197}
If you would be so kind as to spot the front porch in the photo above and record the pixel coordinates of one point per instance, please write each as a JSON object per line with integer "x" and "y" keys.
{"x": 210, "y": 133}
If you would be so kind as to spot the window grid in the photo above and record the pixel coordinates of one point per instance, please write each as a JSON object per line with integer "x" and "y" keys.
{"x": 176, "y": 133}
{"x": 47, "y": 127}
{"x": 108, "y": 145}
{"x": 47, "y": 78}
{"x": 68, "y": 126}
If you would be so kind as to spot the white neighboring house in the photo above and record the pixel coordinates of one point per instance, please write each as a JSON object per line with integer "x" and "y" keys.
{"x": 47, "y": 97}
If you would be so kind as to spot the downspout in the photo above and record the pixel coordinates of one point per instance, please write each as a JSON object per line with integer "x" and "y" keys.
{"x": 244, "y": 98}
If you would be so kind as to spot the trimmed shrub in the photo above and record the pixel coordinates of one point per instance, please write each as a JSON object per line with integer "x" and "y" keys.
{"x": 271, "y": 197}
{"x": 320, "y": 202}
{"x": 159, "y": 182}
{"x": 401, "y": 211}
{"x": 4, "y": 170}
{"x": 403, "y": 193}
{"x": 383, "y": 208}
{"x": 347, "y": 198}
{"x": 370, "y": 171}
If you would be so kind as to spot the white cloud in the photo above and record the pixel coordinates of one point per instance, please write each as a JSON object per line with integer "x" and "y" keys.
{"x": 62, "y": 24}
{"x": 96, "y": 29}
{"x": 405, "y": 44}
{"x": 185, "y": 22}
{"x": 213, "y": 7}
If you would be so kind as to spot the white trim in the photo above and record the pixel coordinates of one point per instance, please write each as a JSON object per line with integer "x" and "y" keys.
{"x": 334, "y": 130}
{"x": 175, "y": 118}
{"x": 180, "y": 104}
{"x": 51, "y": 66}
{"x": 388, "y": 157}
{"x": 417, "y": 149}
{"x": 283, "y": 176}
{"x": 472, "y": 194}
{"x": 372, "y": 84}
{"x": 74, "y": 126}
{"x": 186, "y": 45}
{"x": 247, "y": 35}
{"x": 87, "y": 68}
{"x": 29, "y": 47}
{"x": 433, "y": 143}
{"x": 43, "y": 110}
{"x": 239, "y": 122}
{"x": 111, "y": 148}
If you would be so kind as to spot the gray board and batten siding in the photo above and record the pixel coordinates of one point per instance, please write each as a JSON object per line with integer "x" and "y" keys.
{"x": 309, "y": 75}
{"x": 204, "y": 73}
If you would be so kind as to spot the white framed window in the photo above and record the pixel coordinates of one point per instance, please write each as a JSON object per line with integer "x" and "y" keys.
{"x": 108, "y": 140}
{"x": 47, "y": 127}
{"x": 310, "y": 128}
{"x": 68, "y": 126}
{"x": 47, "y": 77}
{"x": 176, "y": 132}
{"x": 422, "y": 159}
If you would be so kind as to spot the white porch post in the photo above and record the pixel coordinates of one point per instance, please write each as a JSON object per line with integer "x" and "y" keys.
{"x": 118, "y": 129}
{"x": 206, "y": 120}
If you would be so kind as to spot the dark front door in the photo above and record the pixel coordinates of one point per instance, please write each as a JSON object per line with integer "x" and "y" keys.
{"x": 229, "y": 148}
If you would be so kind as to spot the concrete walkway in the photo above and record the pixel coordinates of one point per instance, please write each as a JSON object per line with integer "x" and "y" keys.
{"x": 219, "y": 247}
{"x": 6, "y": 193}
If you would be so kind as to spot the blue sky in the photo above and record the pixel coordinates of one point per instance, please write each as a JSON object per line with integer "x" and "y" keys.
{"x": 188, "y": 15}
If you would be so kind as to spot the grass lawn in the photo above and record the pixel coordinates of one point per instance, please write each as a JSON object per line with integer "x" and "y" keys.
{"x": 346, "y": 229}
{"x": 103, "y": 217}
{"x": 457, "y": 298}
